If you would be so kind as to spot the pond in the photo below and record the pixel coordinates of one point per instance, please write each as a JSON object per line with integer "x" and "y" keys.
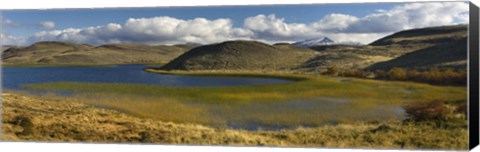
{"x": 15, "y": 77}
{"x": 271, "y": 115}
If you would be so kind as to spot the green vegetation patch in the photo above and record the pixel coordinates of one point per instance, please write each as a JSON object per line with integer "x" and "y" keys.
{"x": 310, "y": 100}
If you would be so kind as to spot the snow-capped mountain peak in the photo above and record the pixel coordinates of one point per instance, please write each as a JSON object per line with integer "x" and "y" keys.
{"x": 314, "y": 42}
{"x": 194, "y": 44}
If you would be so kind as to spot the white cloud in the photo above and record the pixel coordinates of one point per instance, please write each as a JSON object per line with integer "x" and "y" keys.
{"x": 334, "y": 22}
{"x": 272, "y": 28}
{"x": 47, "y": 24}
{"x": 157, "y": 30}
{"x": 267, "y": 28}
{"x": 11, "y": 40}
{"x": 172, "y": 30}
{"x": 342, "y": 27}
{"x": 414, "y": 15}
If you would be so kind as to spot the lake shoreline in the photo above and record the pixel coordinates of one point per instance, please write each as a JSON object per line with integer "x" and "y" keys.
{"x": 288, "y": 75}
{"x": 16, "y": 77}
{"x": 54, "y": 120}
{"x": 129, "y": 113}
{"x": 311, "y": 100}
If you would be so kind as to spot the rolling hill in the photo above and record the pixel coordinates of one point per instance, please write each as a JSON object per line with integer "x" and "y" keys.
{"x": 429, "y": 35}
{"x": 444, "y": 46}
{"x": 6, "y": 47}
{"x": 452, "y": 54}
{"x": 70, "y": 53}
{"x": 417, "y": 39}
{"x": 242, "y": 55}
{"x": 422, "y": 48}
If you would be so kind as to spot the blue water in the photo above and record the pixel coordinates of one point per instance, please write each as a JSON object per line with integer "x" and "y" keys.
{"x": 15, "y": 77}
{"x": 330, "y": 109}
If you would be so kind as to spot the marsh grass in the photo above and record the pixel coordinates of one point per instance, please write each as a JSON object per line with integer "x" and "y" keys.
{"x": 267, "y": 105}
{"x": 60, "y": 119}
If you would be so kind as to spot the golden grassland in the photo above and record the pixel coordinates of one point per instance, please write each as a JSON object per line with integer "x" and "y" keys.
{"x": 54, "y": 65}
{"x": 46, "y": 118}
{"x": 74, "y": 64}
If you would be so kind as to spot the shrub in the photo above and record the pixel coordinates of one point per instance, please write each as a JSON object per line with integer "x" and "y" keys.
{"x": 426, "y": 111}
{"x": 332, "y": 71}
{"x": 380, "y": 74}
{"x": 462, "y": 108}
{"x": 413, "y": 74}
{"x": 25, "y": 123}
{"x": 434, "y": 75}
{"x": 144, "y": 136}
{"x": 448, "y": 76}
{"x": 397, "y": 74}
{"x": 353, "y": 73}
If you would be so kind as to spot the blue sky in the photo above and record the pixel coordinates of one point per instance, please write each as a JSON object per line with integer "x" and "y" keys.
{"x": 94, "y": 17}
{"x": 269, "y": 23}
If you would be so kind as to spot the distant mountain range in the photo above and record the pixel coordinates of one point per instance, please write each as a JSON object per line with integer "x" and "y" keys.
{"x": 423, "y": 48}
{"x": 396, "y": 50}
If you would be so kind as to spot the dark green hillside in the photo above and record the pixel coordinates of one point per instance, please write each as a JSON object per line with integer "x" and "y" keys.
{"x": 443, "y": 46}
{"x": 241, "y": 55}
{"x": 453, "y": 54}
{"x": 430, "y": 35}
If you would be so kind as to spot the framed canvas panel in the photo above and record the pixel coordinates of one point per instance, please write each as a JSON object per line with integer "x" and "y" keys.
{"x": 366, "y": 75}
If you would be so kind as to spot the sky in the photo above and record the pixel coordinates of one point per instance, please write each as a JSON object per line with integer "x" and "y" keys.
{"x": 361, "y": 23}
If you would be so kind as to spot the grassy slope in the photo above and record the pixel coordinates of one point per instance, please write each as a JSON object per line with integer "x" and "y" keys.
{"x": 52, "y": 65}
{"x": 428, "y": 35}
{"x": 439, "y": 55}
{"x": 64, "y": 53}
{"x": 425, "y": 47}
{"x": 241, "y": 55}
{"x": 256, "y": 103}
{"x": 65, "y": 120}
